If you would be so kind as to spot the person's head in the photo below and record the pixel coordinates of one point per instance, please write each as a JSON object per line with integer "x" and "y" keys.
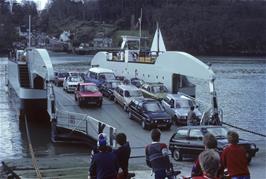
{"x": 155, "y": 135}
{"x": 121, "y": 138}
{"x": 232, "y": 137}
{"x": 102, "y": 142}
{"x": 192, "y": 108}
{"x": 209, "y": 141}
{"x": 209, "y": 162}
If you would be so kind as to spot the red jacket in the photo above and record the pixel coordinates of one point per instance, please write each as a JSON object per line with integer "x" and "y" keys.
{"x": 234, "y": 159}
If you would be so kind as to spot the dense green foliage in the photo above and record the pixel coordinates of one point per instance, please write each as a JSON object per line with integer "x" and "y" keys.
{"x": 10, "y": 20}
{"x": 196, "y": 26}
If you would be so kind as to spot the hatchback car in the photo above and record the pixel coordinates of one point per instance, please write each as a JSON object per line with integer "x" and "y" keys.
{"x": 88, "y": 93}
{"x": 188, "y": 140}
{"x": 178, "y": 105}
{"x": 59, "y": 78}
{"x": 107, "y": 88}
{"x": 154, "y": 90}
{"x": 70, "y": 83}
{"x": 150, "y": 113}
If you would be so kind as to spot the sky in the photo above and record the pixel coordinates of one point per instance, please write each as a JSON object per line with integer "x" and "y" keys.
{"x": 40, "y": 3}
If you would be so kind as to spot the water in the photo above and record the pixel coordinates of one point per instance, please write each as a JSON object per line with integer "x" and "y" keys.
{"x": 240, "y": 84}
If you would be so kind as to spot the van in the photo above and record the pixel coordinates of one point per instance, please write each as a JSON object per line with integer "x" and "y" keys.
{"x": 99, "y": 75}
{"x": 124, "y": 94}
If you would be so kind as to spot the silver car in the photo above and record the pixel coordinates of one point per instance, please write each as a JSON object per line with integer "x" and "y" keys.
{"x": 178, "y": 106}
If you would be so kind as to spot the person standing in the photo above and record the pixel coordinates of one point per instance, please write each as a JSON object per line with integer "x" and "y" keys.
{"x": 210, "y": 143}
{"x": 191, "y": 117}
{"x": 104, "y": 163}
{"x": 209, "y": 161}
{"x": 234, "y": 158}
{"x": 157, "y": 155}
{"x": 122, "y": 154}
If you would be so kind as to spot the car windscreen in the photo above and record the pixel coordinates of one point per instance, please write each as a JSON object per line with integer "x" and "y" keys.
{"x": 184, "y": 104}
{"x": 62, "y": 75}
{"x": 88, "y": 88}
{"x": 153, "y": 107}
{"x": 74, "y": 79}
{"x": 106, "y": 76}
{"x": 218, "y": 132}
{"x": 135, "y": 93}
{"x": 159, "y": 89}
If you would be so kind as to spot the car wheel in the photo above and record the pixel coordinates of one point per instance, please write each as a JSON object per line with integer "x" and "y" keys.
{"x": 125, "y": 107}
{"x": 110, "y": 97}
{"x": 168, "y": 127}
{"x": 249, "y": 158}
{"x": 130, "y": 115}
{"x": 75, "y": 98}
{"x": 100, "y": 104}
{"x": 144, "y": 125}
{"x": 79, "y": 102}
{"x": 177, "y": 155}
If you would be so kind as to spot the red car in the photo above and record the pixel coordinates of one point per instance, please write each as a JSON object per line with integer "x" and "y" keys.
{"x": 88, "y": 93}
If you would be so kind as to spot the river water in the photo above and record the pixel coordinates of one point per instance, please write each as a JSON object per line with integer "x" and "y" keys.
{"x": 241, "y": 90}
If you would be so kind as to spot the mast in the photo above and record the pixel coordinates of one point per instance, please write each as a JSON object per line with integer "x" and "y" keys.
{"x": 140, "y": 19}
{"x": 158, "y": 38}
{"x": 29, "y": 30}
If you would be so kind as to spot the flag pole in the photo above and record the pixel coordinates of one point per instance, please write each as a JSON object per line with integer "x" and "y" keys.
{"x": 140, "y": 19}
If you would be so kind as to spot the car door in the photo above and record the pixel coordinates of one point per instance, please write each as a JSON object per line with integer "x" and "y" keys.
{"x": 180, "y": 141}
{"x": 195, "y": 141}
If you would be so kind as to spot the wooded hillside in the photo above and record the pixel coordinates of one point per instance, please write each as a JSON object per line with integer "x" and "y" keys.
{"x": 209, "y": 27}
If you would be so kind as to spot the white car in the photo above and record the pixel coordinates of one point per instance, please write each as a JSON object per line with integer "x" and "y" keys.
{"x": 124, "y": 94}
{"x": 178, "y": 105}
{"x": 70, "y": 83}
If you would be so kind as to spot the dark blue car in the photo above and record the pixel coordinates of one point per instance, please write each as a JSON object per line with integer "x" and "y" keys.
{"x": 150, "y": 113}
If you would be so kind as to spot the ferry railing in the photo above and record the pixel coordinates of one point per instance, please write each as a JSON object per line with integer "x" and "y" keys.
{"x": 84, "y": 124}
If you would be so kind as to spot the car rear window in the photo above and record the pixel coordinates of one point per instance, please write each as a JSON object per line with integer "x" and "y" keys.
{"x": 218, "y": 132}
{"x": 195, "y": 134}
{"x": 88, "y": 88}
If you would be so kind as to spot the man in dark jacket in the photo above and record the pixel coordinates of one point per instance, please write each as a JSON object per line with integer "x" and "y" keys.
{"x": 157, "y": 155}
{"x": 123, "y": 154}
{"x": 104, "y": 164}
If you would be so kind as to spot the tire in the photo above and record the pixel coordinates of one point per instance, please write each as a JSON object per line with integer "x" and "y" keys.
{"x": 75, "y": 97}
{"x": 100, "y": 104}
{"x": 144, "y": 125}
{"x": 177, "y": 155}
{"x": 168, "y": 127}
{"x": 125, "y": 108}
{"x": 130, "y": 115}
{"x": 79, "y": 102}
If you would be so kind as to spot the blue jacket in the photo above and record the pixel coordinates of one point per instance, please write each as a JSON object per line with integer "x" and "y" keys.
{"x": 104, "y": 165}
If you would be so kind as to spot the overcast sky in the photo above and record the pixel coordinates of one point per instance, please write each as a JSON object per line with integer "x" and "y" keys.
{"x": 40, "y": 3}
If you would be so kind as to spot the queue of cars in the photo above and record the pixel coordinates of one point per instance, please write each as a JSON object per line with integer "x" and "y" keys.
{"x": 149, "y": 104}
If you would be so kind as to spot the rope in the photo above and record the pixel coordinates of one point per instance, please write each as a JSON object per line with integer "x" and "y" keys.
{"x": 246, "y": 130}
{"x": 37, "y": 170}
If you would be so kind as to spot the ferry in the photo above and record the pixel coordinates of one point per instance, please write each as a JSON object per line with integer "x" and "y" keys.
{"x": 28, "y": 74}
{"x": 157, "y": 65}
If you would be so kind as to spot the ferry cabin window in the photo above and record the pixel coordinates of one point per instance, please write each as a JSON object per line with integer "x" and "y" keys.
{"x": 132, "y": 45}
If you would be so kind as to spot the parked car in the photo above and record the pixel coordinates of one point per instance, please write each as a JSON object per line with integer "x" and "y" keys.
{"x": 88, "y": 93}
{"x": 107, "y": 88}
{"x": 59, "y": 78}
{"x": 136, "y": 82}
{"x": 150, "y": 113}
{"x": 154, "y": 90}
{"x": 178, "y": 105}
{"x": 98, "y": 75}
{"x": 123, "y": 94}
{"x": 70, "y": 83}
{"x": 188, "y": 140}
